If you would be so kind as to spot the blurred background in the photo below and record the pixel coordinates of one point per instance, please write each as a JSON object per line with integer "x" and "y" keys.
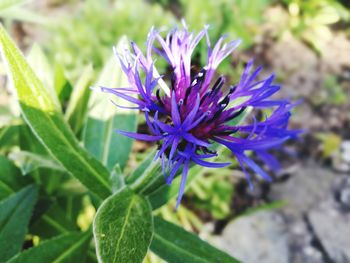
{"x": 304, "y": 215}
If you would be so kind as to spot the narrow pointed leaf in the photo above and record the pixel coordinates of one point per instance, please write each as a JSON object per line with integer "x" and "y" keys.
{"x": 48, "y": 124}
{"x": 148, "y": 176}
{"x": 53, "y": 222}
{"x": 29, "y": 162}
{"x": 11, "y": 179}
{"x": 104, "y": 118}
{"x": 77, "y": 106}
{"x": 62, "y": 86}
{"x": 15, "y": 214}
{"x": 117, "y": 179}
{"x": 68, "y": 248}
{"x": 38, "y": 61}
{"x": 174, "y": 244}
{"x": 9, "y": 136}
{"x": 123, "y": 228}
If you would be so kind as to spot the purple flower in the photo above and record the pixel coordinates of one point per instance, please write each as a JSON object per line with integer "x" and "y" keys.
{"x": 198, "y": 109}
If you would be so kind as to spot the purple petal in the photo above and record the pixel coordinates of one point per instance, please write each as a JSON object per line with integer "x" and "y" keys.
{"x": 142, "y": 137}
{"x": 209, "y": 164}
{"x": 174, "y": 110}
{"x": 182, "y": 183}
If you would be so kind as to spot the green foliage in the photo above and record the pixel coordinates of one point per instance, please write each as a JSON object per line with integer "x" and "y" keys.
{"x": 66, "y": 248}
{"x": 11, "y": 179}
{"x": 238, "y": 18}
{"x": 335, "y": 93}
{"x": 29, "y": 162}
{"x": 77, "y": 107}
{"x": 15, "y": 214}
{"x": 213, "y": 194}
{"x": 330, "y": 143}
{"x": 176, "y": 245}
{"x": 310, "y": 20}
{"x": 148, "y": 176}
{"x": 104, "y": 119}
{"x": 38, "y": 60}
{"x": 166, "y": 193}
{"x": 97, "y": 25}
{"x": 122, "y": 223}
{"x": 45, "y": 119}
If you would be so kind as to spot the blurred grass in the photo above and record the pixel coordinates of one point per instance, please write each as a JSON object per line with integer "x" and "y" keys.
{"x": 90, "y": 30}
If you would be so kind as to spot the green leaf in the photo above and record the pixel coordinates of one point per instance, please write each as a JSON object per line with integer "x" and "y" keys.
{"x": 117, "y": 179}
{"x": 29, "y": 162}
{"x": 43, "y": 117}
{"x": 174, "y": 244}
{"x": 15, "y": 214}
{"x": 148, "y": 176}
{"x": 38, "y": 61}
{"x": 123, "y": 228}
{"x": 36, "y": 161}
{"x": 68, "y": 248}
{"x": 52, "y": 223}
{"x": 11, "y": 179}
{"x": 29, "y": 142}
{"x": 77, "y": 106}
{"x": 167, "y": 192}
{"x": 8, "y": 137}
{"x": 104, "y": 118}
{"x": 63, "y": 87}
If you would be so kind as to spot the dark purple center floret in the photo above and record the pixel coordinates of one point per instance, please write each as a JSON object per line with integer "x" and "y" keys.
{"x": 198, "y": 110}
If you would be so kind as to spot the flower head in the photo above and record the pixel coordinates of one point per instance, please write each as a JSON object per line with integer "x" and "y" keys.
{"x": 199, "y": 109}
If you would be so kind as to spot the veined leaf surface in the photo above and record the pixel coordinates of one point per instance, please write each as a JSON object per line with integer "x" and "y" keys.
{"x": 47, "y": 123}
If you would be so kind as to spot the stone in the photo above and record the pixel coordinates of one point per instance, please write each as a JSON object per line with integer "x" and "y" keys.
{"x": 344, "y": 197}
{"x": 342, "y": 193}
{"x": 332, "y": 228}
{"x": 345, "y": 151}
{"x": 304, "y": 189}
{"x": 301, "y": 244}
{"x": 258, "y": 238}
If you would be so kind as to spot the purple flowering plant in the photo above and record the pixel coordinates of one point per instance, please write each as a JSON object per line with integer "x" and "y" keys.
{"x": 189, "y": 112}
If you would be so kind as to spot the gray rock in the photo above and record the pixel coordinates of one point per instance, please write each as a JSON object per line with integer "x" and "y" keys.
{"x": 342, "y": 193}
{"x": 332, "y": 228}
{"x": 345, "y": 197}
{"x": 300, "y": 244}
{"x": 304, "y": 189}
{"x": 345, "y": 150}
{"x": 258, "y": 238}
{"x": 341, "y": 158}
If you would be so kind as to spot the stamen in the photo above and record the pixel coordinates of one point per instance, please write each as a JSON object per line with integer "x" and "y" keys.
{"x": 172, "y": 80}
{"x": 197, "y": 81}
{"x": 226, "y": 132}
{"x": 218, "y": 84}
{"x": 204, "y": 97}
{"x": 232, "y": 90}
{"x": 188, "y": 91}
{"x": 236, "y": 114}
